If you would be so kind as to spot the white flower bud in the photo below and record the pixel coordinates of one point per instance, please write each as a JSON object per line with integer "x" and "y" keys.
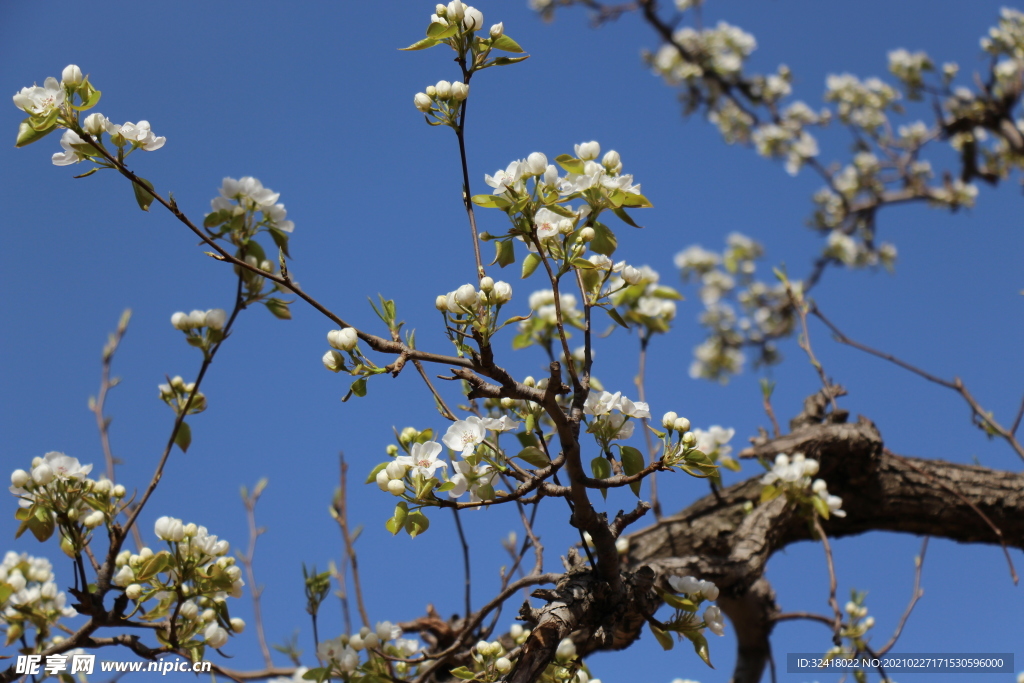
{"x": 440, "y": 10}
{"x": 631, "y": 275}
{"x": 456, "y": 10}
{"x": 396, "y": 487}
{"x": 237, "y": 624}
{"x": 395, "y": 470}
{"x": 487, "y": 284}
{"x": 441, "y": 302}
{"x": 515, "y": 630}
{"x": 334, "y": 361}
{"x": 133, "y": 591}
{"x": 19, "y": 478}
{"x": 709, "y": 590}
{"x": 819, "y": 486}
{"x": 197, "y": 318}
{"x": 42, "y": 475}
{"x": 191, "y": 530}
{"x": 466, "y": 296}
{"x": 682, "y": 425}
{"x": 122, "y": 558}
{"x": 810, "y": 467}
{"x": 689, "y": 439}
{"x": 444, "y": 90}
{"x": 72, "y": 75}
{"x": 371, "y": 641}
{"x": 124, "y": 576}
{"x": 356, "y": 642}
{"x": 422, "y": 102}
{"x": 587, "y": 150}
{"x": 215, "y": 636}
{"x": 94, "y": 519}
{"x": 179, "y": 321}
{"x": 383, "y": 480}
{"x": 343, "y": 340}
{"x": 460, "y": 91}
{"x": 145, "y": 554}
{"x": 566, "y": 649}
{"x": 668, "y": 420}
{"x": 503, "y": 665}
{"x": 215, "y": 318}
{"x": 208, "y": 615}
{"x": 498, "y": 30}
{"x": 473, "y": 20}
{"x": 587, "y": 234}
{"x": 169, "y": 529}
{"x": 537, "y": 163}
{"x": 118, "y": 491}
{"x": 550, "y": 175}
{"x": 622, "y": 545}
{"x": 502, "y": 292}
{"x": 611, "y": 160}
{"x": 95, "y": 123}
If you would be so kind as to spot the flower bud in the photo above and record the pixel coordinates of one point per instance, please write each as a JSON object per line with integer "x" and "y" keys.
{"x": 440, "y": 10}
{"x": 502, "y": 292}
{"x": 383, "y": 480}
{"x": 689, "y": 439}
{"x": 215, "y": 318}
{"x": 612, "y": 161}
{"x": 631, "y": 275}
{"x": 498, "y": 30}
{"x": 395, "y": 470}
{"x": 466, "y": 296}
{"x": 391, "y": 450}
{"x": 169, "y": 529}
{"x": 566, "y": 650}
{"x": 42, "y": 475}
{"x": 550, "y": 175}
{"x": 343, "y": 340}
{"x": 456, "y": 10}
{"x": 408, "y": 434}
{"x": 537, "y": 163}
{"x": 587, "y": 234}
{"x": 423, "y": 102}
{"x": 133, "y": 591}
{"x": 396, "y": 487}
{"x": 441, "y": 302}
{"x": 334, "y": 361}
{"x": 515, "y": 630}
{"x": 622, "y": 545}
{"x": 487, "y": 284}
{"x": 197, "y": 318}
{"x": 179, "y": 321}
{"x": 95, "y": 123}
{"x": 189, "y": 610}
{"x": 530, "y": 381}
{"x": 503, "y": 665}
{"x": 507, "y": 402}
{"x": 72, "y": 76}
{"x": 473, "y": 20}
{"x": 208, "y": 615}
{"x": 444, "y": 90}
{"x": 19, "y": 478}
{"x": 588, "y": 150}
{"x": 237, "y": 624}
{"x": 356, "y": 642}
{"x": 93, "y": 519}
{"x": 118, "y": 491}
{"x": 460, "y": 90}
{"x": 682, "y": 425}
{"x": 668, "y": 420}
{"x": 215, "y": 636}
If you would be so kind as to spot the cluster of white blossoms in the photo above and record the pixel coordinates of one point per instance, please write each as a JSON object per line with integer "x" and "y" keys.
{"x": 213, "y": 318}
{"x": 176, "y": 394}
{"x": 909, "y": 67}
{"x": 606, "y": 175}
{"x": 467, "y": 299}
{"x": 342, "y": 656}
{"x": 612, "y": 413}
{"x": 469, "y": 18}
{"x": 859, "y": 621}
{"x": 720, "y": 50}
{"x": 792, "y": 476}
{"x": 247, "y": 194}
{"x": 861, "y": 103}
{"x": 640, "y": 298}
{"x": 1006, "y": 38}
{"x": 787, "y": 139}
{"x": 697, "y": 591}
{"x": 30, "y": 598}
{"x": 441, "y": 100}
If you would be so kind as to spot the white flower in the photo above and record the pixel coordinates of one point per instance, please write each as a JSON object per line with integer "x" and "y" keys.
{"x": 387, "y": 631}
{"x": 709, "y": 590}
{"x": 40, "y": 101}
{"x": 497, "y": 30}
{"x": 444, "y": 89}
{"x": 473, "y": 19}
{"x": 197, "y": 318}
{"x": 95, "y": 124}
{"x": 333, "y": 361}
{"x": 546, "y": 221}
{"x": 502, "y": 292}
{"x": 276, "y": 214}
{"x": 601, "y": 403}
{"x": 343, "y": 340}
{"x": 470, "y": 478}
{"x": 249, "y": 190}
{"x": 456, "y": 10}
{"x": 422, "y": 101}
{"x": 71, "y": 155}
{"x": 138, "y": 134}
{"x": 460, "y": 91}
{"x": 502, "y": 181}
{"x": 71, "y": 75}
{"x": 566, "y": 650}
{"x": 422, "y": 458}
{"x": 464, "y": 435}
{"x": 714, "y": 621}
{"x": 684, "y": 584}
{"x": 537, "y": 163}
{"x": 124, "y": 577}
{"x": 638, "y": 409}
{"x": 19, "y": 478}
{"x": 215, "y": 318}
{"x": 466, "y": 296}
{"x": 215, "y": 636}
{"x": 65, "y": 467}
{"x": 587, "y": 150}
{"x": 169, "y": 529}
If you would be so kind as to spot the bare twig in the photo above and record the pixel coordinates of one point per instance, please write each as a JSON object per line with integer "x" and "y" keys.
{"x": 914, "y": 597}
{"x": 250, "y": 500}
{"x": 837, "y": 622}
{"x": 341, "y": 516}
{"x": 648, "y": 441}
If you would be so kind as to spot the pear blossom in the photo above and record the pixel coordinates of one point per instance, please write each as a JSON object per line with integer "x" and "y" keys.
{"x": 505, "y": 180}
{"x": 215, "y": 636}
{"x": 638, "y": 409}
{"x": 460, "y": 91}
{"x": 500, "y": 424}
{"x": 169, "y": 529}
{"x": 63, "y": 467}
{"x": 502, "y": 292}
{"x": 277, "y": 214}
{"x": 537, "y": 163}
{"x": 546, "y": 222}
{"x": 40, "y": 101}
{"x": 423, "y": 102}
{"x": 422, "y": 458}
{"x": 601, "y": 403}
{"x": 464, "y": 435}
{"x": 471, "y": 478}
{"x": 249, "y": 192}
{"x": 387, "y": 631}
{"x": 70, "y": 155}
{"x": 473, "y": 19}
{"x": 343, "y": 340}
{"x": 95, "y": 124}
{"x": 587, "y": 150}
{"x": 714, "y": 621}
{"x": 138, "y": 134}
{"x": 686, "y": 585}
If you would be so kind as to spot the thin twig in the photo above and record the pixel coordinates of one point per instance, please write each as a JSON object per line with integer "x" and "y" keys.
{"x": 341, "y": 508}
{"x": 648, "y": 440}
{"x": 837, "y": 622}
{"x": 914, "y": 597}
{"x": 250, "y": 500}
{"x": 800, "y": 306}
{"x": 467, "y": 583}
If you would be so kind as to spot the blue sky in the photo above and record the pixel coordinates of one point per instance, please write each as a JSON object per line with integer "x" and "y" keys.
{"x": 318, "y": 105}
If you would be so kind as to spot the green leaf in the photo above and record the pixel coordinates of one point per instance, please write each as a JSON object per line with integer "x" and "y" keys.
{"x": 530, "y": 264}
{"x": 87, "y": 173}
{"x": 142, "y": 196}
{"x": 664, "y": 639}
{"x": 416, "y": 523}
{"x": 625, "y": 217}
{"x": 729, "y": 463}
{"x": 679, "y": 603}
{"x": 153, "y": 566}
{"x": 491, "y": 201}
{"x": 397, "y": 521}
{"x": 374, "y": 471}
{"x": 632, "y": 462}
{"x": 666, "y": 292}
{"x": 614, "y": 315}
{"x": 583, "y": 264}
{"x": 318, "y": 674}
{"x": 41, "y": 123}
{"x": 601, "y": 468}
{"x": 422, "y": 44}
{"x": 280, "y": 238}
{"x": 279, "y": 308}
{"x": 27, "y": 134}
{"x": 41, "y": 524}
{"x": 5, "y": 592}
{"x": 770, "y": 492}
{"x": 570, "y": 163}
{"x": 637, "y": 201}
{"x": 700, "y": 646}
{"x": 463, "y": 673}
{"x": 505, "y": 61}
{"x": 604, "y": 242}
{"x": 183, "y": 439}
{"x": 505, "y": 43}
{"x": 439, "y": 32}
{"x": 820, "y": 506}
{"x": 359, "y": 387}
{"x": 504, "y": 254}
{"x": 534, "y": 456}
{"x": 446, "y": 487}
